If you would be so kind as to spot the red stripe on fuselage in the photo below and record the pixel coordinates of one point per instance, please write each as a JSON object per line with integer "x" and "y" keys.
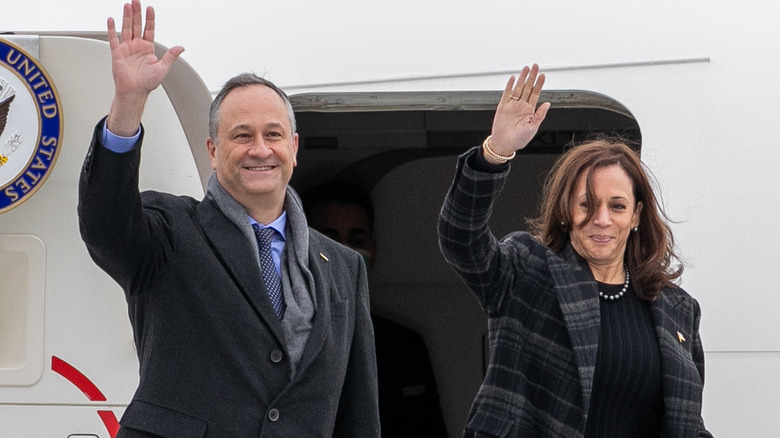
{"x": 75, "y": 377}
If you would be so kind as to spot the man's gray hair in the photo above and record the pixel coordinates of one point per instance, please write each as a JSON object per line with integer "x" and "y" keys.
{"x": 244, "y": 80}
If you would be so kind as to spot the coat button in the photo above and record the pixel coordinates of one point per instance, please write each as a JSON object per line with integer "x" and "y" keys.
{"x": 273, "y": 414}
{"x": 276, "y": 356}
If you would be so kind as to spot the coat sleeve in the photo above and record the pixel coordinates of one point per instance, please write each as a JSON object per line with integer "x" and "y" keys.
{"x": 487, "y": 266}
{"x": 358, "y": 411}
{"x": 112, "y": 221}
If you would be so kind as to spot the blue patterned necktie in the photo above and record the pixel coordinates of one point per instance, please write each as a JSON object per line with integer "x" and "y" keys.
{"x": 271, "y": 278}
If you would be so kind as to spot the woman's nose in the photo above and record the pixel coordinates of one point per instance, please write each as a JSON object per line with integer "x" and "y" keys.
{"x": 601, "y": 216}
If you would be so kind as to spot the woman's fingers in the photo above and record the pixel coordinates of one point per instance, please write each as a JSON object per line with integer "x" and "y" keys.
{"x": 536, "y": 91}
{"x": 508, "y": 89}
{"x": 528, "y": 84}
{"x": 517, "y": 92}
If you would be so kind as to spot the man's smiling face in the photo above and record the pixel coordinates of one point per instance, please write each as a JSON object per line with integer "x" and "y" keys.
{"x": 255, "y": 150}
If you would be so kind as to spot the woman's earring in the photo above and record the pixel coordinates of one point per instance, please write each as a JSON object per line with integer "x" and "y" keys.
{"x": 636, "y": 229}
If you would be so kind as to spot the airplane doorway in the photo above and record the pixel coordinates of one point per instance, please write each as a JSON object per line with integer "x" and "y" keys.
{"x": 401, "y": 149}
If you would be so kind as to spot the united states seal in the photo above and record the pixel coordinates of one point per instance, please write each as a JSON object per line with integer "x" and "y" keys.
{"x": 31, "y": 125}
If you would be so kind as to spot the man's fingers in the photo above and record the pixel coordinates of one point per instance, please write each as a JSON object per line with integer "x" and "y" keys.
{"x": 137, "y": 20}
{"x": 127, "y": 22}
{"x": 149, "y": 27}
{"x": 112, "y": 38}
{"x": 171, "y": 56}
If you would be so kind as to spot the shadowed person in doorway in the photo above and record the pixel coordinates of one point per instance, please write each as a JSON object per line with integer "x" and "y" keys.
{"x": 408, "y": 400}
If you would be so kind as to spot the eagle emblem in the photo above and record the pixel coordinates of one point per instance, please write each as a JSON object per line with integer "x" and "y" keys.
{"x": 31, "y": 124}
{"x": 7, "y": 95}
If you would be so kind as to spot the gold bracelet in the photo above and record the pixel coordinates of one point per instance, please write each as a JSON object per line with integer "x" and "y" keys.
{"x": 502, "y": 158}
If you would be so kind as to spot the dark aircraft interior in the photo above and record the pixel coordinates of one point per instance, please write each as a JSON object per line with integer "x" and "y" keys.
{"x": 401, "y": 150}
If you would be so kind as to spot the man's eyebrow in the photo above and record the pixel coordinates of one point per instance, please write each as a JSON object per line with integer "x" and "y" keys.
{"x": 242, "y": 126}
{"x": 249, "y": 127}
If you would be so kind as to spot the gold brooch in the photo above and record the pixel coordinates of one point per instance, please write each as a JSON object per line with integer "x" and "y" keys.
{"x": 680, "y": 337}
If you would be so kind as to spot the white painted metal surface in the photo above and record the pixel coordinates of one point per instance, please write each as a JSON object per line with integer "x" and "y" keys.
{"x": 700, "y": 78}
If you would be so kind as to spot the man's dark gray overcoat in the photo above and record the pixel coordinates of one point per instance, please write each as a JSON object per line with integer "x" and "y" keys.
{"x": 212, "y": 358}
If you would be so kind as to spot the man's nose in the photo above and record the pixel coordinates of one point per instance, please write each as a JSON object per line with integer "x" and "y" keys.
{"x": 260, "y": 149}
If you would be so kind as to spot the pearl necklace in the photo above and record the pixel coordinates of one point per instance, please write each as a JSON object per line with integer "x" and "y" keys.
{"x": 618, "y": 295}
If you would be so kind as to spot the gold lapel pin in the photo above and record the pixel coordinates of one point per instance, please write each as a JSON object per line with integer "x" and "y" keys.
{"x": 323, "y": 257}
{"x": 680, "y": 337}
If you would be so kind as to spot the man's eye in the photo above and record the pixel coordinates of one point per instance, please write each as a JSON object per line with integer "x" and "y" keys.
{"x": 358, "y": 243}
{"x": 332, "y": 234}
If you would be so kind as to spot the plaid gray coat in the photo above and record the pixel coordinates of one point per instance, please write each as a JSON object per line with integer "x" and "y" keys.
{"x": 544, "y": 325}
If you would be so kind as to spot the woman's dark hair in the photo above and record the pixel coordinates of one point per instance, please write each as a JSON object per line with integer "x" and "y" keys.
{"x": 650, "y": 255}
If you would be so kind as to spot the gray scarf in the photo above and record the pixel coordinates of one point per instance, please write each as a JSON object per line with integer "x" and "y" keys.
{"x": 297, "y": 280}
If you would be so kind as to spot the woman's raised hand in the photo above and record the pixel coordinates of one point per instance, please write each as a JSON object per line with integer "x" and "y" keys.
{"x": 517, "y": 118}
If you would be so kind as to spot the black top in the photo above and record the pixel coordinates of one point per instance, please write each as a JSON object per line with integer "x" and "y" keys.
{"x": 627, "y": 398}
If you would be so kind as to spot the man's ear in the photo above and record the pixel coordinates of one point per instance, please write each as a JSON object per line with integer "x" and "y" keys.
{"x": 211, "y": 145}
{"x": 295, "y": 149}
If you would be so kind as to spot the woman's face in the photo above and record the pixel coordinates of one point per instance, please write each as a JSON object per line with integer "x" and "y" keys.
{"x": 602, "y": 240}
